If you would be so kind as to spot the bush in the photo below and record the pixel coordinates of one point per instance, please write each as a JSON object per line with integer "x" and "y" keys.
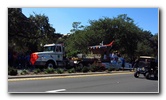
{"x": 12, "y": 71}
{"x": 36, "y": 71}
{"x": 117, "y": 69}
{"x": 24, "y": 72}
{"x": 49, "y": 71}
{"x": 94, "y": 68}
{"x": 72, "y": 70}
{"x": 111, "y": 69}
{"x": 85, "y": 69}
{"x": 78, "y": 69}
{"x": 97, "y": 68}
{"x": 101, "y": 68}
{"x": 60, "y": 70}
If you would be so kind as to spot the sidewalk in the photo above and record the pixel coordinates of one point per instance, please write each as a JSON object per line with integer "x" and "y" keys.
{"x": 65, "y": 74}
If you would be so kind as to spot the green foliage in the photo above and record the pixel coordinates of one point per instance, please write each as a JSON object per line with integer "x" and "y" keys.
{"x": 72, "y": 70}
{"x": 24, "y": 72}
{"x": 97, "y": 68}
{"x": 72, "y": 53}
{"x": 102, "y": 68}
{"x": 94, "y": 68}
{"x": 78, "y": 69}
{"x": 130, "y": 40}
{"x": 60, "y": 70}
{"x": 12, "y": 71}
{"x": 36, "y": 71}
{"x": 49, "y": 71}
{"x": 30, "y": 34}
{"x": 111, "y": 69}
{"x": 85, "y": 69}
{"x": 117, "y": 69}
{"x": 76, "y": 26}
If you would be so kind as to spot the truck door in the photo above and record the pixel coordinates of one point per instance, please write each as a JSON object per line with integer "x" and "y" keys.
{"x": 59, "y": 53}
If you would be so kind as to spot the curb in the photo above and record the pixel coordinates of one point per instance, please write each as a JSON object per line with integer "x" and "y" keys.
{"x": 67, "y": 74}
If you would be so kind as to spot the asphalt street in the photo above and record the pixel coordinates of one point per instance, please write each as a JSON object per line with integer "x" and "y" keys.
{"x": 99, "y": 83}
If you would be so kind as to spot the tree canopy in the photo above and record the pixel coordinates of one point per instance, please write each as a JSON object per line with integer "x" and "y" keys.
{"x": 130, "y": 40}
{"x": 30, "y": 34}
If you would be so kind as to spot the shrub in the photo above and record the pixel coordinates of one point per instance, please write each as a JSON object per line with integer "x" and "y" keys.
{"x": 72, "y": 70}
{"x": 111, "y": 69}
{"x": 12, "y": 71}
{"x": 49, "y": 71}
{"x": 94, "y": 68}
{"x": 78, "y": 69}
{"x": 24, "y": 72}
{"x": 85, "y": 69}
{"x": 36, "y": 71}
{"x": 97, "y": 68}
{"x": 117, "y": 69}
{"x": 60, "y": 70}
{"x": 101, "y": 68}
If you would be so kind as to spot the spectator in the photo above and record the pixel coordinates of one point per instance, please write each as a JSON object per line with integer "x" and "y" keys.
{"x": 27, "y": 60}
{"x": 123, "y": 62}
{"x": 14, "y": 59}
{"x": 105, "y": 56}
{"x": 111, "y": 57}
{"x": 114, "y": 58}
{"x": 10, "y": 59}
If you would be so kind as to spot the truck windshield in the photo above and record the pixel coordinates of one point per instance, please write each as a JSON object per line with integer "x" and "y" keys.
{"x": 49, "y": 48}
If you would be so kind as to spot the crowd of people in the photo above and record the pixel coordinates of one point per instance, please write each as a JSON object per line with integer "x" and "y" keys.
{"x": 19, "y": 60}
{"x": 115, "y": 58}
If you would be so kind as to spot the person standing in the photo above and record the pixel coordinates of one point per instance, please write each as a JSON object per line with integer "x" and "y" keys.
{"x": 123, "y": 62}
{"x": 105, "y": 56}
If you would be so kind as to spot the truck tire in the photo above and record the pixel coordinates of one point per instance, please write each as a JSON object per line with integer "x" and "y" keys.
{"x": 50, "y": 64}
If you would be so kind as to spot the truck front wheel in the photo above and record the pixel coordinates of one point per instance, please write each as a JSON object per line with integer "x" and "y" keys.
{"x": 50, "y": 64}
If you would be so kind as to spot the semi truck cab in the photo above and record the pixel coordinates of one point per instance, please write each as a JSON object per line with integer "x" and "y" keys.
{"x": 52, "y": 56}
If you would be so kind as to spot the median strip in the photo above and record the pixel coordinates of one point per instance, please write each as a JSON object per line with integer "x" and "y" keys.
{"x": 67, "y": 76}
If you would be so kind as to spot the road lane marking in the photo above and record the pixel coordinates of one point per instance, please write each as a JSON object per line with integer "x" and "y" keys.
{"x": 72, "y": 76}
{"x": 54, "y": 91}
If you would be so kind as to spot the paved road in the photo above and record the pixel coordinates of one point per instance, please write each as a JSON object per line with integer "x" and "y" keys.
{"x": 101, "y": 83}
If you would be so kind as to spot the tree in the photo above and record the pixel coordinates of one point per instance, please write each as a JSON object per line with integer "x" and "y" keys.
{"x": 126, "y": 36}
{"x": 19, "y": 29}
{"x": 129, "y": 38}
{"x": 29, "y": 34}
{"x": 44, "y": 31}
{"x": 76, "y": 26}
{"x": 148, "y": 44}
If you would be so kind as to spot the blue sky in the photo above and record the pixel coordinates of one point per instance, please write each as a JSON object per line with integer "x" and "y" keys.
{"x": 62, "y": 18}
